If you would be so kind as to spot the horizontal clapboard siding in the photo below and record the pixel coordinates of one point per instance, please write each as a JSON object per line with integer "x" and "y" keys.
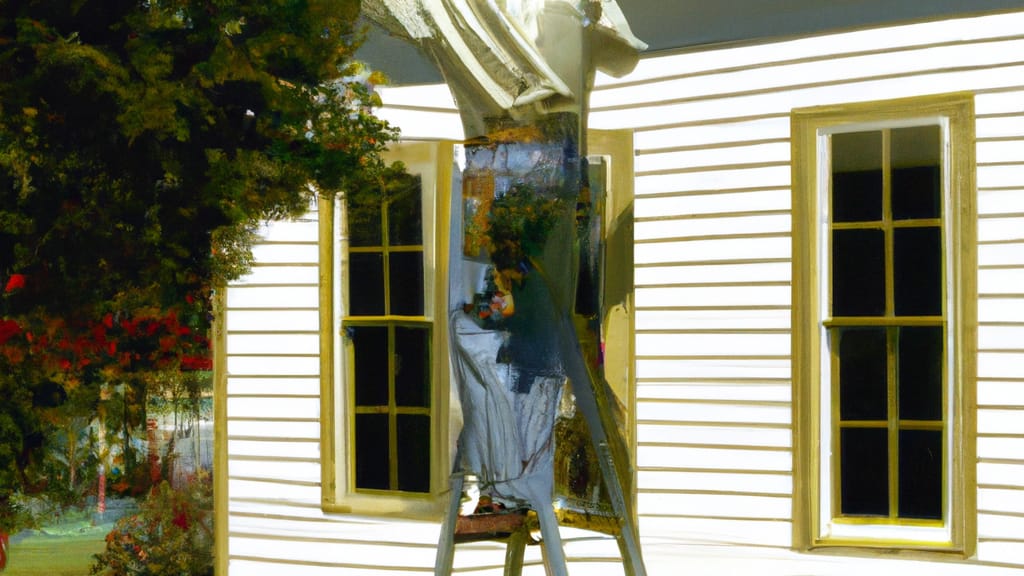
{"x": 272, "y": 390}
{"x": 272, "y": 382}
{"x": 713, "y": 271}
{"x": 713, "y": 250}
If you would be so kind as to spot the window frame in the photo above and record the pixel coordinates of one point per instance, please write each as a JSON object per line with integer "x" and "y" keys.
{"x": 814, "y": 410}
{"x": 433, "y": 161}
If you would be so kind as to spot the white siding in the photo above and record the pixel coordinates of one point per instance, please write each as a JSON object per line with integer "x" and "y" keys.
{"x": 712, "y": 233}
{"x": 713, "y": 317}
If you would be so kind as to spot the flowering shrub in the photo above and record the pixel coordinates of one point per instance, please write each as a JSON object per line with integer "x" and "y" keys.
{"x": 15, "y": 282}
{"x": 171, "y": 535}
{"x": 121, "y": 342}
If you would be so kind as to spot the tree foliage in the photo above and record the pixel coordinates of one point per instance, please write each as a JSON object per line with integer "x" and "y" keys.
{"x": 140, "y": 139}
{"x": 141, "y": 142}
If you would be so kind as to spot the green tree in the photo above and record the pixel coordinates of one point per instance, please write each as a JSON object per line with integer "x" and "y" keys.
{"x": 141, "y": 142}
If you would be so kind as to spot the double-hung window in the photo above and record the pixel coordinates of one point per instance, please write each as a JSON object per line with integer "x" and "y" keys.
{"x": 388, "y": 338}
{"x": 883, "y": 321}
{"x": 385, "y": 389}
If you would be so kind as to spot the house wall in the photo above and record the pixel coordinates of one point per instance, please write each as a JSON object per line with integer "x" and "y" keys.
{"x": 713, "y": 260}
{"x": 713, "y": 302}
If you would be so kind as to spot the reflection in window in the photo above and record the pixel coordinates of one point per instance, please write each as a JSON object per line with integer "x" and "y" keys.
{"x": 857, "y": 177}
{"x": 916, "y": 172}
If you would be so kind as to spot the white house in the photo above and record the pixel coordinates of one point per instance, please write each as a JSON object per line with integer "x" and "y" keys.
{"x": 828, "y": 324}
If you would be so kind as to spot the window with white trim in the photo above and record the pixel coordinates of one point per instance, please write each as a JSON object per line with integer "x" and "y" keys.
{"x": 883, "y": 320}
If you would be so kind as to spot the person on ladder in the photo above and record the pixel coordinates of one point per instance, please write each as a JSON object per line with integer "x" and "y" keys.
{"x": 524, "y": 354}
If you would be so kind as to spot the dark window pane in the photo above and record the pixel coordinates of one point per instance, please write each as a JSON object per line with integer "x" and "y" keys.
{"x": 862, "y": 374}
{"x": 366, "y": 284}
{"x": 413, "y": 453}
{"x": 920, "y": 470}
{"x": 864, "y": 471}
{"x": 915, "y": 193}
{"x": 412, "y": 366}
{"x": 857, "y": 196}
{"x": 405, "y": 213}
{"x": 917, "y": 263}
{"x": 372, "y": 462}
{"x": 858, "y": 273}
{"x": 406, "y": 283}
{"x": 371, "y": 364}
{"x": 364, "y": 220}
{"x": 857, "y": 177}
{"x": 920, "y": 373}
{"x": 916, "y": 158}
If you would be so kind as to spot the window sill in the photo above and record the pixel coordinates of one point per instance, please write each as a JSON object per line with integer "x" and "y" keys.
{"x": 889, "y": 548}
{"x": 891, "y": 544}
{"x": 426, "y": 507}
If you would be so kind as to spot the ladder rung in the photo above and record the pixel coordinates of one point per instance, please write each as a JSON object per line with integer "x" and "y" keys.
{"x": 489, "y": 526}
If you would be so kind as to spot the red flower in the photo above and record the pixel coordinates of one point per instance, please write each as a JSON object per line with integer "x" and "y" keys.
{"x": 108, "y": 320}
{"x": 196, "y": 363}
{"x": 15, "y": 282}
{"x": 8, "y": 329}
{"x": 129, "y": 326}
{"x": 181, "y": 520}
{"x": 166, "y": 343}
